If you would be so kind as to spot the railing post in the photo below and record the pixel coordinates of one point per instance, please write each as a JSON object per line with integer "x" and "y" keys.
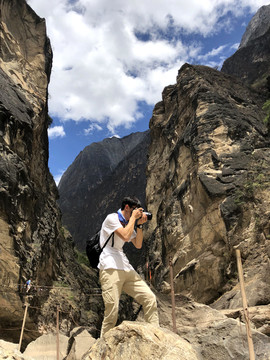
{"x": 172, "y": 296}
{"x": 245, "y": 306}
{"x": 57, "y": 334}
{"x": 23, "y": 324}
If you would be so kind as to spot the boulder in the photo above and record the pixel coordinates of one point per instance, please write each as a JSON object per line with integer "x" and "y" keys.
{"x": 216, "y": 334}
{"x": 79, "y": 343}
{"x": 44, "y": 347}
{"x": 259, "y": 317}
{"x": 10, "y": 351}
{"x": 140, "y": 341}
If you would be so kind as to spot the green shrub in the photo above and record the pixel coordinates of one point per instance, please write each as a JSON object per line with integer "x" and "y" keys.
{"x": 266, "y": 107}
{"x": 82, "y": 257}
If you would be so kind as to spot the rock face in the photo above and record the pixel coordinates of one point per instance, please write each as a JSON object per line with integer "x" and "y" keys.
{"x": 95, "y": 183}
{"x": 251, "y": 62}
{"x": 258, "y": 26}
{"x": 26, "y": 214}
{"x": 33, "y": 244}
{"x": 209, "y": 189}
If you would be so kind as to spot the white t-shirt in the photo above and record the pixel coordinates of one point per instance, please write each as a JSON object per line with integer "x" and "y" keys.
{"x": 113, "y": 257}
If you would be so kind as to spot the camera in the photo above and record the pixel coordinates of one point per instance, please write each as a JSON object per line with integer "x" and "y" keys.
{"x": 149, "y": 215}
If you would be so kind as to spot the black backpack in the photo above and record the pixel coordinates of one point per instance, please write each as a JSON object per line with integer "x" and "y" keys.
{"x": 93, "y": 249}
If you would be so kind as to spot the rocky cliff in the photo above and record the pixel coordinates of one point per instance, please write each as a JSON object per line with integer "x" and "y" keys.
{"x": 95, "y": 183}
{"x": 33, "y": 244}
{"x": 209, "y": 191}
{"x": 24, "y": 153}
{"x": 251, "y": 62}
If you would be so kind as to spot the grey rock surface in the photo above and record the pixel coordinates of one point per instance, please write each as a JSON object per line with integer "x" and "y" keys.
{"x": 258, "y": 26}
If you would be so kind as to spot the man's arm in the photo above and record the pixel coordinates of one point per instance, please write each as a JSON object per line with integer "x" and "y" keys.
{"x": 137, "y": 242}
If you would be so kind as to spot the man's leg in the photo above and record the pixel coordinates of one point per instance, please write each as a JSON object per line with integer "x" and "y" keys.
{"x": 111, "y": 285}
{"x": 136, "y": 287}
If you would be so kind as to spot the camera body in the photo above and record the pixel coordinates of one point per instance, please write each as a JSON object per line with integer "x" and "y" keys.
{"x": 148, "y": 214}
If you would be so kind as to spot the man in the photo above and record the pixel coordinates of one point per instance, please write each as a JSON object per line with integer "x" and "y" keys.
{"x": 116, "y": 273}
{"x": 28, "y": 285}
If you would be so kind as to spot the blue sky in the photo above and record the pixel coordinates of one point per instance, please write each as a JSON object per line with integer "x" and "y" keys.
{"x": 113, "y": 58}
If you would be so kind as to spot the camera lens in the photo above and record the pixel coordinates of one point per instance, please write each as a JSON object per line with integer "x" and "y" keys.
{"x": 149, "y": 215}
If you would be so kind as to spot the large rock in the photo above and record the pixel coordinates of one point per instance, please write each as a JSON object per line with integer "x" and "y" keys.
{"x": 79, "y": 343}
{"x": 259, "y": 316}
{"x": 214, "y": 334}
{"x": 45, "y": 347}
{"x": 140, "y": 341}
{"x": 10, "y": 351}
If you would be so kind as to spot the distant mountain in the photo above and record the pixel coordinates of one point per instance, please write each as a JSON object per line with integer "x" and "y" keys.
{"x": 251, "y": 62}
{"x": 100, "y": 176}
{"x": 258, "y": 26}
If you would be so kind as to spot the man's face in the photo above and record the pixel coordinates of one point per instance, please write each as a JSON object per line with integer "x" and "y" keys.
{"x": 129, "y": 210}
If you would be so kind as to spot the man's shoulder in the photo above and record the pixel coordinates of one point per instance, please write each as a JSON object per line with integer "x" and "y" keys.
{"x": 111, "y": 222}
{"x": 111, "y": 217}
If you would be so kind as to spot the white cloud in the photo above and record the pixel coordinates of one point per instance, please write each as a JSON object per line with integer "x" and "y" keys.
{"x": 58, "y": 176}
{"x": 91, "y": 128}
{"x": 56, "y": 131}
{"x": 102, "y": 70}
{"x": 212, "y": 53}
{"x": 235, "y": 46}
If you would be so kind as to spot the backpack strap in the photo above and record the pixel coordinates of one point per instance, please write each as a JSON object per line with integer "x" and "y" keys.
{"x": 112, "y": 235}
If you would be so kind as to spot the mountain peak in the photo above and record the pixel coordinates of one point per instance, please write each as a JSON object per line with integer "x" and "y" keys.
{"x": 257, "y": 27}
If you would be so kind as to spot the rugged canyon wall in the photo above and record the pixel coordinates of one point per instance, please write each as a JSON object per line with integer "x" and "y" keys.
{"x": 208, "y": 188}
{"x": 26, "y": 214}
{"x": 33, "y": 244}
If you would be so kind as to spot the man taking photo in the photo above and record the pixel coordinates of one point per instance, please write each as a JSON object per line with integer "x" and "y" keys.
{"x": 116, "y": 273}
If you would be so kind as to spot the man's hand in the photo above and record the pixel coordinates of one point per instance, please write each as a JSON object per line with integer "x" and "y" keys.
{"x": 139, "y": 215}
{"x": 126, "y": 232}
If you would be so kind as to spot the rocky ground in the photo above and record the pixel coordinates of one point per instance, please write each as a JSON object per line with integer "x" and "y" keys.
{"x": 202, "y": 333}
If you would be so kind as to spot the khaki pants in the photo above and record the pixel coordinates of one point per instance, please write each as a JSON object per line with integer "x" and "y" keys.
{"x": 113, "y": 282}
